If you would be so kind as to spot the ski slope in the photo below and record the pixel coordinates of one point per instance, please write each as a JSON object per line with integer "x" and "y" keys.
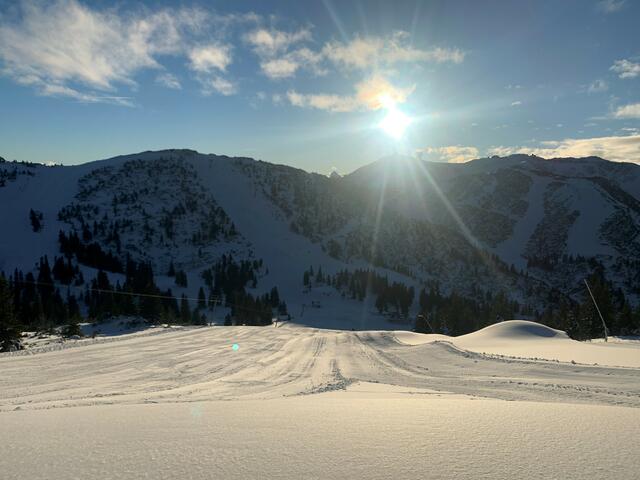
{"x": 297, "y": 402}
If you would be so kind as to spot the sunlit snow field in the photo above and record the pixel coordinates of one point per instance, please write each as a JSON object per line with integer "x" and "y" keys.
{"x": 295, "y": 402}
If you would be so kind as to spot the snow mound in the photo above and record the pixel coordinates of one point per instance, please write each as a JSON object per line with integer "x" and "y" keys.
{"x": 516, "y": 330}
{"x": 520, "y": 338}
{"x": 530, "y": 340}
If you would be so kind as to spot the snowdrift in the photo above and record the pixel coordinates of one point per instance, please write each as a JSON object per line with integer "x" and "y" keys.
{"x": 524, "y": 339}
{"x": 515, "y": 330}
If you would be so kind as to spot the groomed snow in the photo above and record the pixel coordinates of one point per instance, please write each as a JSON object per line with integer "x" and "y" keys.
{"x": 327, "y": 436}
{"x": 520, "y": 338}
{"x": 294, "y": 402}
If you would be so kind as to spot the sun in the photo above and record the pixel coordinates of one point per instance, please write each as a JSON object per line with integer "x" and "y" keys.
{"x": 395, "y": 123}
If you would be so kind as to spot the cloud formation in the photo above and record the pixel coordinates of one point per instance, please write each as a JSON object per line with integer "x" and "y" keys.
{"x": 449, "y": 154}
{"x": 269, "y": 43}
{"x": 627, "y": 111}
{"x": 610, "y": 6}
{"x": 371, "y": 52}
{"x": 67, "y": 48}
{"x": 208, "y": 58}
{"x": 277, "y": 57}
{"x": 169, "y": 80}
{"x": 53, "y": 47}
{"x": 626, "y": 68}
{"x": 624, "y": 148}
{"x": 371, "y": 94}
{"x": 598, "y": 86}
{"x": 281, "y": 55}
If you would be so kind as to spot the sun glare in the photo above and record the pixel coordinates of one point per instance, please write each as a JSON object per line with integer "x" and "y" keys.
{"x": 395, "y": 123}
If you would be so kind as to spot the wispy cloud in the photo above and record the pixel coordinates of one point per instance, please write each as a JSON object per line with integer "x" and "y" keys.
{"x": 370, "y": 94}
{"x": 449, "y": 154}
{"x": 627, "y": 111}
{"x": 208, "y": 58}
{"x": 597, "y": 86}
{"x": 169, "y": 80}
{"x": 67, "y": 48}
{"x": 209, "y": 62}
{"x": 371, "y": 52}
{"x": 287, "y": 65}
{"x": 57, "y": 90}
{"x": 610, "y": 6}
{"x": 624, "y": 148}
{"x": 67, "y": 42}
{"x": 517, "y": 103}
{"x": 220, "y": 85}
{"x": 281, "y": 55}
{"x": 626, "y": 68}
{"x": 73, "y": 49}
{"x": 271, "y": 42}
{"x": 277, "y": 57}
{"x": 323, "y": 101}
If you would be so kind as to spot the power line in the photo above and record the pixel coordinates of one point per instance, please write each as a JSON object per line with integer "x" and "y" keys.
{"x": 217, "y": 299}
{"x": 117, "y": 292}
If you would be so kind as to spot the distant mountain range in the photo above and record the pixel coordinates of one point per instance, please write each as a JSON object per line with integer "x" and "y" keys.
{"x": 520, "y": 225}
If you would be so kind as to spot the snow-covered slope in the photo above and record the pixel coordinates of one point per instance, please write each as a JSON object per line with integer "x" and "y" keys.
{"x": 460, "y": 226}
{"x": 536, "y": 214}
{"x": 293, "y": 402}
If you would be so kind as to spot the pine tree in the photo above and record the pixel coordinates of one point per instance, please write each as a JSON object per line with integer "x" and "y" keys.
{"x": 181, "y": 279}
{"x": 202, "y": 301}
{"x": 36, "y": 220}
{"x": 380, "y": 304}
{"x": 9, "y": 331}
{"x": 72, "y": 329}
{"x": 185, "y": 311}
{"x": 274, "y": 297}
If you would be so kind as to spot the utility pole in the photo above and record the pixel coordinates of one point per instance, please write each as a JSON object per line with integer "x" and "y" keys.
{"x": 604, "y": 325}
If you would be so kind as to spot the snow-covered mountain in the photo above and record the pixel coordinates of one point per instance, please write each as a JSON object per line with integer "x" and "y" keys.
{"x": 520, "y": 225}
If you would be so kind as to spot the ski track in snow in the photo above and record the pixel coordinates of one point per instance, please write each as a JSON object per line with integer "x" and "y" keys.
{"x": 199, "y": 364}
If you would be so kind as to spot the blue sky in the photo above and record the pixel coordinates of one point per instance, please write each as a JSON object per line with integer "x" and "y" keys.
{"x": 308, "y": 83}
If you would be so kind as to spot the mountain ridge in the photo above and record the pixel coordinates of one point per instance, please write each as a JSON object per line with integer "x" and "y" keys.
{"x": 514, "y": 224}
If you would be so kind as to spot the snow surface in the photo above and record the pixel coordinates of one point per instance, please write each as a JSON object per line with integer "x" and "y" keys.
{"x": 523, "y": 339}
{"x": 328, "y": 436}
{"x": 511, "y": 249}
{"x": 297, "y": 402}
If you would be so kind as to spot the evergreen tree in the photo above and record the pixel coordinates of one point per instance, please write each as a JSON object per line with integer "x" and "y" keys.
{"x": 36, "y": 220}
{"x": 274, "y": 297}
{"x": 380, "y": 303}
{"x": 9, "y": 330}
{"x": 72, "y": 329}
{"x": 202, "y": 302}
{"x": 185, "y": 311}
{"x": 181, "y": 279}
